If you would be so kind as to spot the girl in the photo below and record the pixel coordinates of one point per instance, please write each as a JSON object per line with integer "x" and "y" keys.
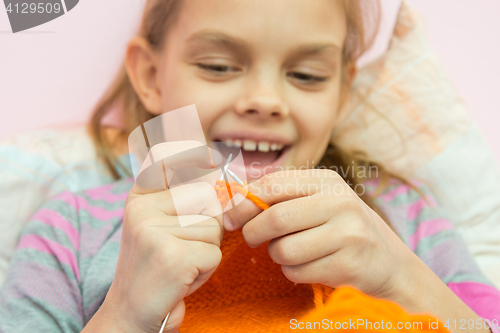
{"x": 269, "y": 75}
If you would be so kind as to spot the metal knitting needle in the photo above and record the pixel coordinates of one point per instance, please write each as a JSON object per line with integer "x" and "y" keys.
{"x": 224, "y": 169}
{"x": 164, "y": 323}
{"x": 235, "y": 177}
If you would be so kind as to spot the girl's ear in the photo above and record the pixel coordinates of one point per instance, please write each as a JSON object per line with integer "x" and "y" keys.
{"x": 141, "y": 63}
{"x": 351, "y": 70}
{"x": 348, "y": 76}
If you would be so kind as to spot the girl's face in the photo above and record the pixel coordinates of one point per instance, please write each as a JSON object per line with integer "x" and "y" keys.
{"x": 264, "y": 74}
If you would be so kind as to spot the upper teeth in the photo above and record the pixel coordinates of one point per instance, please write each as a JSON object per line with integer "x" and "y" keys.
{"x": 250, "y": 145}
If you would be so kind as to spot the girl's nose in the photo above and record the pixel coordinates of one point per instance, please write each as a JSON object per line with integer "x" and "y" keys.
{"x": 262, "y": 103}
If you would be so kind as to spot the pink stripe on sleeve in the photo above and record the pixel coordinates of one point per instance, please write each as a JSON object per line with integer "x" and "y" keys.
{"x": 426, "y": 229}
{"x": 62, "y": 253}
{"x": 55, "y": 220}
{"x": 481, "y": 298}
{"x": 415, "y": 208}
{"x": 79, "y": 203}
{"x": 102, "y": 193}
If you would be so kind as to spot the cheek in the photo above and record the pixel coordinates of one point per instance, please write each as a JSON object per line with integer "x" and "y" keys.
{"x": 315, "y": 118}
{"x": 316, "y": 114}
{"x": 180, "y": 87}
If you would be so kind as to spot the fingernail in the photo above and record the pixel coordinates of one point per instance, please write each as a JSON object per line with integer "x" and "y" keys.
{"x": 228, "y": 225}
{"x": 216, "y": 157}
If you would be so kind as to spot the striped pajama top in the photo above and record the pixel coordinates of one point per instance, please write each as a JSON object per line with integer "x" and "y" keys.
{"x": 66, "y": 257}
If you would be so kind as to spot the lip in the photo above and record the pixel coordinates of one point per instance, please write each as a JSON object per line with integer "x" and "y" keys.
{"x": 255, "y": 136}
{"x": 255, "y": 171}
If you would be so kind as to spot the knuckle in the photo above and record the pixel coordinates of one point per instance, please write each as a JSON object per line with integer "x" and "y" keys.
{"x": 205, "y": 187}
{"x": 279, "y": 218}
{"x": 249, "y": 234}
{"x": 346, "y": 269}
{"x": 350, "y": 204}
{"x": 282, "y": 252}
{"x": 171, "y": 254}
{"x": 210, "y": 255}
{"x": 141, "y": 234}
{"x": 214, "y": 232}
{"x": 354, "y": 265}
{"x": 353, "y": 268}
{"x": 358, "y": 232}
{"x": 352, "y": 238}
{"x": 209, "y": 231}
{"x": 332, "y": 174}
{"x": 189, "y": 272}
{"x": 217, "y": 255}
{"x": 326, "y": 173}
{"x": 291, "y": 273}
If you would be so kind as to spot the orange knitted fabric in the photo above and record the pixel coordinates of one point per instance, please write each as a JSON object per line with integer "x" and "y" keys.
{"x": 225, "y": 191}
{"x": 249, "y": 293}
{"x": 352, "y": 311}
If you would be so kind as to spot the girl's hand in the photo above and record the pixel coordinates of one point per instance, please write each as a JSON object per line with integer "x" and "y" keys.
{"x": 160, "y": 262}
{"x": 320, "y": 231}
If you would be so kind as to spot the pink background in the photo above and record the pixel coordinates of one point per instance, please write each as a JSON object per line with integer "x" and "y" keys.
{"x": 55, "y": 73}
{"x": 465, "y": 34}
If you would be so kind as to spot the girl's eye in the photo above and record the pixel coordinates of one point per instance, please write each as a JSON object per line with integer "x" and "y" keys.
{"x": 306, "y": 78}
{"x": 217, "y": 69}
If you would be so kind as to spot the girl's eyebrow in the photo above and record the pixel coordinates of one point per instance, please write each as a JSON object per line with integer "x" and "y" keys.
{"x": 219, "y": 38}
{"x": 316, "y": 49}
{"x": 239, "y": 45}
{"x": 326, "y": 52}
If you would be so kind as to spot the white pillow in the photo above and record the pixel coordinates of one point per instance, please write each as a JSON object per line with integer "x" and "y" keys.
{"x": 406, "y": 114}
{"x": 36, "y": 166}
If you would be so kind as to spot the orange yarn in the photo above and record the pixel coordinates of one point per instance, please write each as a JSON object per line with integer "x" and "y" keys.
{"x": 358, "y": 312}
{"x": 248, "y": 292}
{"x": 226, "y": 191}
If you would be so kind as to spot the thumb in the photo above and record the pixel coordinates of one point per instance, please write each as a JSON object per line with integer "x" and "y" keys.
{"x": 162, "y": 159}
{"x": 175, "y": 318}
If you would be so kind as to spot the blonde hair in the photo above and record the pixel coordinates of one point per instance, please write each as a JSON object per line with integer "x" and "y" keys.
{"x": 362, "y": 26}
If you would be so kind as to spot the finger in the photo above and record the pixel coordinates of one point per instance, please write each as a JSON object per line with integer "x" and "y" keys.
{"x": 305, "y": 246}
{"x": 322, "y": 270}
{"x": 348, "y": 249}
{"x": 194, "y": 261}
{"x": 200, "y": 280}
{"x": 288, "y": 217}
{"x": 285, "y": 185}
{"x": 190, "y": 199}
{"x": 334, "y": 270}
{"x": 209, "y": 230}
{"x": 183, "y": 154}
{"x": 205, "y": 258}
{"x": 175, "y": 318}
{"x": 157, "y": 169}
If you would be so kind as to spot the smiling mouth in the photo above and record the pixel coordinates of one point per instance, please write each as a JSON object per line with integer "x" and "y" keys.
{"x": 262, "y": 153}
